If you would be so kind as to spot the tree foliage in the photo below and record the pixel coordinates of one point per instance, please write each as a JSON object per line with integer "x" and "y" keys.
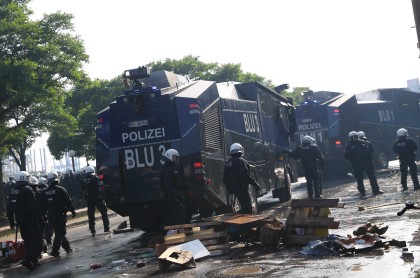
{"x": 39, "y": 61}
{"x": 194, "y": 69}
{"x": 295, "y": 94}
{"x": 86, "y": 99}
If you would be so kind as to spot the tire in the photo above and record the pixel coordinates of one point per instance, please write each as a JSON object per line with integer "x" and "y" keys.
{"x": 383, "y": 160}
{"x": 236, "y": 206}
{"x": 286, "y": 193}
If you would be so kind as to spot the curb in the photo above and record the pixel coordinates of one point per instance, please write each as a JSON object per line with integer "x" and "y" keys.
{"x": 80, "y": 219}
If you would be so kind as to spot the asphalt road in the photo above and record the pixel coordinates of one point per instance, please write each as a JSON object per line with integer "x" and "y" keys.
{"x": 118, "y": 254}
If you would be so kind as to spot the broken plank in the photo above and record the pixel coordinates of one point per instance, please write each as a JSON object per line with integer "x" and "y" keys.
{"x": 218, "y": 247}
{"x": 185, "y": 238}
{"x": 242, "y": 219}
{"x": 191, "y": 225}
{"x": 306, "y": 203}
{"x": 219, "y": 252}
{"x": 309, "y": 221}
{"x": 208, "y": 242}
{"x": 122, "y": 231}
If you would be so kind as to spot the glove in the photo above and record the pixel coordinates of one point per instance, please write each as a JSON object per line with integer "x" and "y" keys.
{"x": 73, "y": 214}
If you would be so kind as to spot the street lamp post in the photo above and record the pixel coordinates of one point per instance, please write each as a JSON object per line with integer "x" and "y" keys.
{"x": 72, "y": 154}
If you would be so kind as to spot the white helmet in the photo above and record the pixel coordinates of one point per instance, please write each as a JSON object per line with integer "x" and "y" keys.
{"x": 306, "y": 139}
{"x": 402, "y": 132}
{"x": 236, "y": 148}
{"x": 172, "y": 155}
{"x": 22, "y": 176}
{"x": 352, "y": 134}
{"x": 89, "y": 170}
{"x": 42, "y": 180}
{"x": 361, "y": 134}
{"x": 52, "y": 177}
{"x": 33, "y": 180}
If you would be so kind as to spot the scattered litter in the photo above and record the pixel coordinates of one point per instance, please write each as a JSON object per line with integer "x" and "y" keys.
{"x": 197, "y": 249}
{"x": 78, "y": 266}
{"x": 178, "y": 257}
{"x": 379, "y": 229}
{"x": 119, "y": 262}
{"x": 319, "y": 248}
{"x": 95, "y": 266}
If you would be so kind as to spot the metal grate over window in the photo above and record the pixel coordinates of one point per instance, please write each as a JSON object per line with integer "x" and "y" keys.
{"x": 212, "y": 131}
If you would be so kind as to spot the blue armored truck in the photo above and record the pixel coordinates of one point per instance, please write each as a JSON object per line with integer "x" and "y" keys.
{"x": 200, "y": 119}
{"x": 328, "y": 117}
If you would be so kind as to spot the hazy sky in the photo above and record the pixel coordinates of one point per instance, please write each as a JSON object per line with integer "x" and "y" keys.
{"x": 347, "y": 46}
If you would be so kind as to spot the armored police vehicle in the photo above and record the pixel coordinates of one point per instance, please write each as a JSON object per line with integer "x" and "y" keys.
{"x": 328, "y": 117}
{"x": 200, "y": 119}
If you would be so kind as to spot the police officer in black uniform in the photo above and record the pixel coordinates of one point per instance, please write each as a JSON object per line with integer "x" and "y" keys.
{"x": 169, "y": 182}
{"x": 312, "y": 162}
{"x": 55, "y": 202}
{"x": 360, "y": 154}
{"x": 406, "y": 150}
{"x": 94, "y": 200}
{"x": 237, "y": 178}
{"x": 23, "y": 212}
{"x": 48, "y": 229}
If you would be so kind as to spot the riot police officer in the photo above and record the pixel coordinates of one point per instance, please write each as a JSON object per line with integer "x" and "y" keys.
{"x": 312, "y": 161}
{"x": 406, "y": 149}
{"x": 360, "y": 154}
{"x": 55, "y": 202}
{"x": 48, "y": 229}
{"x": 169, "y": 182}
{"x": 237, "y": 178}
{"x": 23, "y": 213}
{"x": 94, "y": 200}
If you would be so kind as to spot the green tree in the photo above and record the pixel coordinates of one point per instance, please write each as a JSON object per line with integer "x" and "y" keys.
{"x": 86, "y": 99}
{"x": 39, "y": 61}
{"x": 193, "y": 68}
{"x": 295, "y": 94}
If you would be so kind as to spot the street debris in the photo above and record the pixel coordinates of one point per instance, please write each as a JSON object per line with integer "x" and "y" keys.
{"x": 406, "y": 255}
{"x": 362, "y": 208}
{"x": 178, "y": 257}
{"x": 271, "y": 233}
{"x": 379, "y": 229}
{"x": 95, "y": 266}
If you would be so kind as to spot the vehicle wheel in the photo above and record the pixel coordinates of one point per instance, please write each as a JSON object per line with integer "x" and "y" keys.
{"x": 286, "y": 194}
{"x": 383, "y": 160}
{"x": 236, "y": 206}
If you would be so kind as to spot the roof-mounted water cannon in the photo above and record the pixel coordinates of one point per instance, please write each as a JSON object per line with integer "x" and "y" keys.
{"x": 138, "y": 73}
{"x": 281, "y": 88}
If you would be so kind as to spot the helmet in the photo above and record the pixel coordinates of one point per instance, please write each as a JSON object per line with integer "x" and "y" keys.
{"x": 42, "y": 180}
{"x": 52, "y": 177}
{"x": 402, "y": 132}
{"x": 236, "y": 148}
{"x": 22, "y": 176}
{"x": 361, "y": 134}
{"x": 352, "y": 134}
{"x": 306, "y": 139}
{"x": 89, "y": 170}
{"x": 172, "y": 155}
{"x": 33, "y": 180}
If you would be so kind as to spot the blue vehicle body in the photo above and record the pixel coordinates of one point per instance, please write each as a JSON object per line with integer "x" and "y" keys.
{"x": 329, "y": 117}
{"x": 200, "y": 119}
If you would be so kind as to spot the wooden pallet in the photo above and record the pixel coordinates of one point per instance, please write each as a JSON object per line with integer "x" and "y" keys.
{"x": 211, "y": 234}
{"x": 308, "y": 220}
